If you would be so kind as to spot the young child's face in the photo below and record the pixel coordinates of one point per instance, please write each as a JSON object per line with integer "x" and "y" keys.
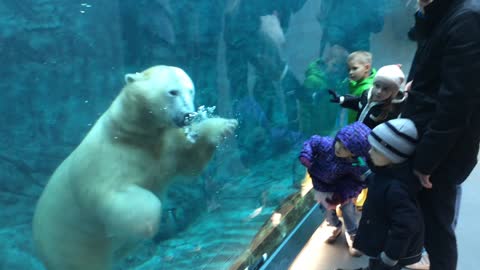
{"x": 334, "y": 66}
{"x": 341, "y": 151}
{"x": 382, "y": 90}
{"x": 358, "y": 71}
{"x": 378, "y": 158}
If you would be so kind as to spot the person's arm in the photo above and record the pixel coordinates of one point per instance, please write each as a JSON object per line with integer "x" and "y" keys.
{"x": 346, "y": 101}
{"x": 351, "y": 186}
{"x": 403, "y": 219}
{"x": 350, "y": 102}
{"x": 311, "y": 149}
{"x": 458, "y": 96}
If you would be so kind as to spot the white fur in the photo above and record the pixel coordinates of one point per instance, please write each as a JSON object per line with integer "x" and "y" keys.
{"x": 103, "y": 199}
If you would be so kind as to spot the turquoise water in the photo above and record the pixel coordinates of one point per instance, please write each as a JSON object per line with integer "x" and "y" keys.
{"x": 64, "y": 63}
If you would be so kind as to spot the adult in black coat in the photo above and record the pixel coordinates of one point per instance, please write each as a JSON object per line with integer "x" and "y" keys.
{"x": 444, "y": 103}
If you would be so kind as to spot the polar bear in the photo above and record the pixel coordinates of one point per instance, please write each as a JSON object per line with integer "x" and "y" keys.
{"x": 104, "y": 197}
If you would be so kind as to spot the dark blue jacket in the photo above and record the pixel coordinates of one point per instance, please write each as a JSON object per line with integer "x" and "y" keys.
{"x": 391, "y": 219}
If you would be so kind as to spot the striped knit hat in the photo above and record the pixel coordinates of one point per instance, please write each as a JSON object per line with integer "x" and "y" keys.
{"x": 395, "y": 139}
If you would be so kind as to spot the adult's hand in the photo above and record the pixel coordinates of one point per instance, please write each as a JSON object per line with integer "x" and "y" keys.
{"x": 424, "y": 179}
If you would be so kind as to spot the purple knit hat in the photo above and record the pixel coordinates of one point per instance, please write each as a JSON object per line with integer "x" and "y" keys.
{"x": 355, "y": 138}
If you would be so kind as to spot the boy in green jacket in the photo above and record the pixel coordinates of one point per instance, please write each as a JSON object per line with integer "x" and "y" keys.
{"x": 360, "y": 79}
{"x": 360, "y": 75}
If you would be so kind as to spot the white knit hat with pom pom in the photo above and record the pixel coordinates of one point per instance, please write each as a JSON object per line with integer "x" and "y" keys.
{"x": 391, "y": 73}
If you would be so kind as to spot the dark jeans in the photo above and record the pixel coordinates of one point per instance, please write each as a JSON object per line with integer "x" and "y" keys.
{"x": 375, "y": 264}
{"x": 350, "y": 217}
{"x": 438, "y": 207}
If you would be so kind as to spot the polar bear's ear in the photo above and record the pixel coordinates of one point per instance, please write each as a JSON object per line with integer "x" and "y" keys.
{"x": 132, "y": 77}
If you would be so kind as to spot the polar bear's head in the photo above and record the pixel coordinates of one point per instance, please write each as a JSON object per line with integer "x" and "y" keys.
{"x": 163, "y": 93}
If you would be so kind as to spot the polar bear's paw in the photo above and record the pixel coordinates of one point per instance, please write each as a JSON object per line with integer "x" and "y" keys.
{"x": 222, "y": 129}
{"x": 229, "y": 128}
{"x": 215, "y": 130}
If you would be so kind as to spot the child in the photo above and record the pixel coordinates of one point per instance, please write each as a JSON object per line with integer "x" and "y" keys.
{"x": 336, "y": 168}
{"x": 360, "y": 75}
{"x": 382, "y": 102}
{"x": 321, "y": 75}
{"x": 391, "y": 227}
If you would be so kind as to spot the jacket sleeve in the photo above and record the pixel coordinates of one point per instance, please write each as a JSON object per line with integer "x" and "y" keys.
{"x": 312, "y": 148}
{"x": 350, "y": 102}
{"x": 458, "y": 96}
{"x": 346, "y": 190}
{"x": 353, "y": 183}
{"x": 403, "y": 219}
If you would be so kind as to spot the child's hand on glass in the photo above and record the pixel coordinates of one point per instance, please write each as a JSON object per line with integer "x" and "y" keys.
{"x": 335, "y": 98}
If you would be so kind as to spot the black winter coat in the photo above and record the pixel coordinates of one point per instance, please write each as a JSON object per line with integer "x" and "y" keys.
{"x": 391, "y": 220}
{"x": 369, "y": 112}
{"x": 444, "y": 101}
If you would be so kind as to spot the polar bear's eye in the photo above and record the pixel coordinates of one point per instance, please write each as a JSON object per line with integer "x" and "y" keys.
{"x": 174, "y": 93}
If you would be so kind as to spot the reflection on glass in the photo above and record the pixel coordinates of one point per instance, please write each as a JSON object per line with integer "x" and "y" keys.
{"x": 266, "y": 64}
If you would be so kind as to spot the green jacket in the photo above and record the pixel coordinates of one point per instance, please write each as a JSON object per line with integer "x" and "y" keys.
{"x": 315, "y": 77}
{"x": 357, "y": 88}
{"x": 317, "y": 115}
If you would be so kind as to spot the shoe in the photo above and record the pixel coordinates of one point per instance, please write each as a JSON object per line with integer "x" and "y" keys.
{"x": 423, "y": 264}
{"x": 353, "y": 251}
{"x": 332, "y": 231}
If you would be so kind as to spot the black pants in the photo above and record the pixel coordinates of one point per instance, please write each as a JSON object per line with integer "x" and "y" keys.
{"x": 438, "y": 207}
{"x": 375, "y": 264}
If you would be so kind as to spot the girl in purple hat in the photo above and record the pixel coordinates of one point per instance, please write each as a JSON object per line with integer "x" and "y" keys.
{"x": 337, "y": 168}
